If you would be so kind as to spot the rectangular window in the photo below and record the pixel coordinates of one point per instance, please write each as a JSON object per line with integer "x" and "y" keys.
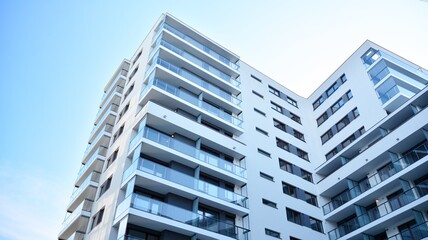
{"x": 105, "y": 186}
{"x": 289, "y": 189}
{"x": 258, "y": 94}
{"x": 355, "y": 112}
{"x": 298, "y": 135}
{"x": 311, "y": 199}
{"x": 337, "y": 105}
{"x": 268, "y": 203}
{"x": 295, "y": 118}
{"x": 137, "y": 57}
{"x": 259, "y": 112}
{"x": 306, "y": 175}
{"x": 266, "y": 176}
{"x": 272, "y": 233}
{"x": 256, "y": 78}
{"x": 292, "y": 102}
{"x": 263, "y": 152}
{"x": 112, "y": 158}
{"x": 327, "y": 136}
{"x": 276, "y": 107}
{"x": 302, "y": 154}
{"x": 262, "y": 131}
{"x": 316, "y": 225}
{"x": 332, "y": 89}
{"x": 133, "y": 73}
{"x": 318, "y": 102}
{"x": 331, "y": 154}
{"x": 118, "y": 133}
{"x": 97, "y": 218}
{"x": 322, "y": 118}
{"x": 342, "y": 123}
{"x": 286, "y": 166}
{"x": 294, "y": 216}
{"x": 349, "y": 95}
{"x": 282, "y": 144}
{"x": 274, "y": 91}
{"x": 348, "y": 141}
{"x": 343, "y": 78}
{"x": 279, "y": 125}
{"x": 128, "y": 92}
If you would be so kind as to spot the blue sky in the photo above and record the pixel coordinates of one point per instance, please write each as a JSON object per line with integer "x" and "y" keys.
{"x": 56, "y": 57}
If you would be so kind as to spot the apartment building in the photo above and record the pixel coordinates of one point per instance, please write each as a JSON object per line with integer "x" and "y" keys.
{"x": 190, "y": 142}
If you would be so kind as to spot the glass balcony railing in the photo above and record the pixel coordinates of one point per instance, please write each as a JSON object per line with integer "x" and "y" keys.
{"x": 196, "y": 44}
{"x": 199, "y": 81}
{"x": 114, "y": 84}
{"x": 93, "y": 143}
{"x": 389, "y": 94}
{"x": 396, "y": 166}
{"x": 196, "y": 61}
{"x": 185, "y": 180}
{"x": 380, "y": 75}
{"x": 93, "y": 177}
{"x": 106, "y": 128}
{"x": 192, "y": 99}
{"x": 86, "y": 166}
{"x": 167, "y": 141}
{"x": 84, "y": 206}
{"x": 417, "y": 232}
{"x": 113, "y": 106}
{"x": 379, "y": 211}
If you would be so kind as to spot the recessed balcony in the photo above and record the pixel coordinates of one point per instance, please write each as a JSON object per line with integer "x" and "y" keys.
{"x": 76, "y": 222}
{"x": 162, "y": 179}
{"x": 160, "y": 216}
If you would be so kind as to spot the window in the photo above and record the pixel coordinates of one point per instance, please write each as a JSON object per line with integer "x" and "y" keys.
{"x": 260, "y": 112}
{"x": 128, "y": 91}
{"x": 292, "y": 101}
{"x": 133, "y": 73}
{"x": 262, "y": 131}
{"x": 331, "y": 153}
{"x": 97, "y": 218}
{"x": 298, "y": 135}
{"x": 268, "y": 203}
{"x": 322, "y": 119}
{"x": 318, "y": 102}
{"x": 337, "y": 105}
{"x": 294, "y": 238}
{"x": 266, "y": 176}
{"x": 355, "y": 112}
{"x": 289, "y": 189}
{"x": 256, "y": 78}
{"x": 263, "y": 152}
{"x": 302, "y": 154}
{"x": 282, "y": 144}
{"x": 343, "y": 78}
{"x": 316, "y": 224}
{"x": 286, "y": 166}
{"x": 118, "y": 133}
{"x": 327, "y": 136}
{"x": 124, "y": 110}
{"x": 279, "y": 125}
{"x": 276, "y": 107}
{"x": 294, "y": 216}
{"x": 137, "y": 57}
{"x": 349, "y": 95}
{"x": 105, "y": 186}
{"x": 272, "y": 233}
{"x": 112, "y": 157}
{"x": 306, "y": 175}
{"x": 343, "y": 123}
{"x": 274, "y": 91}
{"x": 311, "y": 199}
{"x": 332, "y": 89}
{"x": 295, "y": 118}
{"x": 257, "y": 94}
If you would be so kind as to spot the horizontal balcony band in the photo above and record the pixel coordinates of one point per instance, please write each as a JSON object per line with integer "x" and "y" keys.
{"x": 86, "y": 190}
{"x": 77, "y": 221}
{"x": 182, "y": 179}
{"x": 419, "y": 231}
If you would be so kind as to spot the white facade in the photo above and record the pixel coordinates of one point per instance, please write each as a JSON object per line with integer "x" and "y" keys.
{"x": 190, "y": 142}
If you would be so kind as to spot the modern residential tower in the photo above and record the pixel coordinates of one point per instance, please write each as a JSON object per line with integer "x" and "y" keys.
{"x": 190, "y": 142}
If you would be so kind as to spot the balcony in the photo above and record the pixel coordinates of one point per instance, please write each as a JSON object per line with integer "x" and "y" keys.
{"x": 184, "y": 180}
{"x": 109, "y": 118}
{"x": 379, "y": 211}
{"x": 169, "y": 142}
{"x": 176, "y": 53}
{"x": 111, "y": 104}
{"x": 196, "y": 44}
{"x": 117, "y": 86}
{"x": 95, "y": 163}
{"x": 76, "y": 222}
{"x": 86, "y": 190}
{"x": 193, "y": 100}
{"x": 417, "y": 232}
{"x": 102, "y": 151}
{"x": 211, "y": 88}
{"x": 101, "y": 140}
{"x": 398, "y": 165}
{"x": 166, "y": 216}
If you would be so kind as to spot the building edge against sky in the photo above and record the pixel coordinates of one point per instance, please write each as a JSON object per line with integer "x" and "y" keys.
{"x": 190, "y": 142}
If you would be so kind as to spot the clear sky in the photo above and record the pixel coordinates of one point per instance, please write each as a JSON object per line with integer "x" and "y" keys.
{"x": 56, "y": 56}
